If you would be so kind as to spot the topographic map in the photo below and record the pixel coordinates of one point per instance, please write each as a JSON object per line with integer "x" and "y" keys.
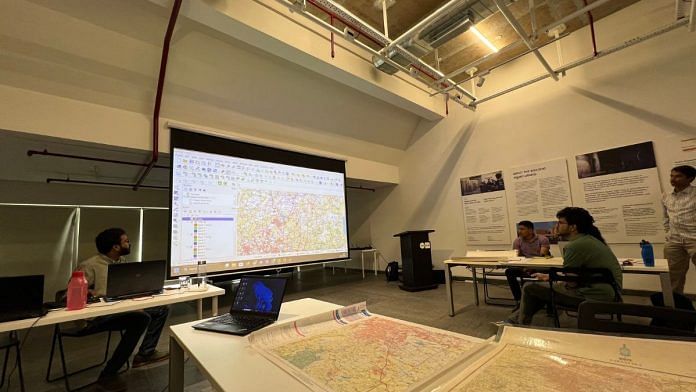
{"x": 275, "y": 221}
{"x": 518, "y": 368}
{"x": 375, "y": 354}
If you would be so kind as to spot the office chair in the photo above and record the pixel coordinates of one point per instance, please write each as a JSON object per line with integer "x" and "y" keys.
{"x": 580, "y": 277}
{"x": 670, "y": 322}
{"x": 76, "y": 332}
{"x": 6, "y": 343}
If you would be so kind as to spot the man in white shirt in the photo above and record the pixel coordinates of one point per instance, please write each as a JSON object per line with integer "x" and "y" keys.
{"x": 680, "y": 225}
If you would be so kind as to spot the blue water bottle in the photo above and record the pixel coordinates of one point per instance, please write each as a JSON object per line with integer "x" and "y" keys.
{"x": 646, "y": 251}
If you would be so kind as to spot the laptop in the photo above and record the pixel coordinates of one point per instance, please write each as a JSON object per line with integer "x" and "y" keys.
{"x": 130, "y": 280}
{"x": 256, "y": 305}
{"x": 21, "y": 297}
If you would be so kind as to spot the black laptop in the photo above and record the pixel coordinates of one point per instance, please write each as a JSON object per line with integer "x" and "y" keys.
{"x": 256, "y": 305}
{"x": 130, "y": 280}
{"x": 21, "y": 297}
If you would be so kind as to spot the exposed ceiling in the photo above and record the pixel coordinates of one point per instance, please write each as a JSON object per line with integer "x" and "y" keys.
{"x": 465, "y": 49}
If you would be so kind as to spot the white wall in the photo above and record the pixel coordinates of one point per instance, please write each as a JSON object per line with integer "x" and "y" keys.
{"x": 642, "y": 93}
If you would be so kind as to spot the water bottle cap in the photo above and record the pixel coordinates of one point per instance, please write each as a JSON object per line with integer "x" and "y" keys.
{"x": 78, "y": 274}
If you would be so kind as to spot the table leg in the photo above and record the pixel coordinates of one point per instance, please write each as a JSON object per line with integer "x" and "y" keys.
{"x": 667, "y": 289}
{"x": 448, "y": 288}
{"x": 215, "y": 306}
{"x": 475, "y": 284}
{"x": 199, "y": 308}
{"x": 362, "y": 262}
{"x": 176, "y": 366}
{"x": 374, "y": 261}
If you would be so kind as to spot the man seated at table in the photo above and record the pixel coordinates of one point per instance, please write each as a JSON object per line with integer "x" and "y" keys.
{"x": 527, "y": 244}
{"x": 586, "y": 248}
{"x": 113, "y": 244}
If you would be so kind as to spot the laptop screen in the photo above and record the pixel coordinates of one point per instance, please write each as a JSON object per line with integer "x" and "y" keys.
{"x": 259, "y": 295}
{"x": 21, "y": 292}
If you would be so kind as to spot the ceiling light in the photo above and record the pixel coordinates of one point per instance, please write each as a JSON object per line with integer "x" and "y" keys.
{"x": 481, "y": 81}
{"x": 483, "y": 39}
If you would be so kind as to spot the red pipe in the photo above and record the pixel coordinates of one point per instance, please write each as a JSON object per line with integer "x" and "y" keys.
{"x": 158, "y": 98}
{"x": 333, "y": 51}
{"x": 594, "y": 41}
{"x": 87, "y": 158}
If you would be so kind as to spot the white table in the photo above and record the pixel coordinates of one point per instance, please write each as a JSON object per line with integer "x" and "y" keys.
{"x": 229, "y": 362}
{"x": 96, "y": 310}
{"x": 661, "y": 269}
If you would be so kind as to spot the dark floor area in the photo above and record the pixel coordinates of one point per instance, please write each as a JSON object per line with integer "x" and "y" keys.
{"x": 425, "y": 307}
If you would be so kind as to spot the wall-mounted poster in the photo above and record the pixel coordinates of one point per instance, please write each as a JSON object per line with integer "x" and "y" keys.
{"x": 537, "y": 192}
{"x": 621, "y": 189}
{"x": 485, "y": 209}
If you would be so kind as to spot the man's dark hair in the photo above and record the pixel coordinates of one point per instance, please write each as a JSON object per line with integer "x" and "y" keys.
{"x": 527, "y": 224}
{"x": 108, "y": 238}
{"x": 583, "y": 221}
{"x": 686, "y": 170}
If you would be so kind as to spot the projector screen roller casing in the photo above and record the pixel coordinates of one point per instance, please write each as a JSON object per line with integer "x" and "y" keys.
{"x": 241, "y": 207}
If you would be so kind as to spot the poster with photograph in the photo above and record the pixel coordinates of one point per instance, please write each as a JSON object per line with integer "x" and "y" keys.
{"x": 537, "y": 193}
{"x": 621, "y": 189}
{"x": 485, "y": 209}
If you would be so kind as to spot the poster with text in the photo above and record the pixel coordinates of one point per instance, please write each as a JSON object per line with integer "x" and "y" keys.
{"x": 621, "y": 189}
{"x": 537, "y": 193}
{"x": 485, "y": 209}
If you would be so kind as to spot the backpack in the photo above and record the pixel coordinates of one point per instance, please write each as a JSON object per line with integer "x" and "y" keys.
{"x": 392, "y": 271}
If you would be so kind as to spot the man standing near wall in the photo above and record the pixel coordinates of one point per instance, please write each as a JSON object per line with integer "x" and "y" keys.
{"x": 680, "y": 224}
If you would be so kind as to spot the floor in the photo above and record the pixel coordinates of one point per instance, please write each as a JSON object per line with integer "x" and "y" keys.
{"x": 425, "y": 307}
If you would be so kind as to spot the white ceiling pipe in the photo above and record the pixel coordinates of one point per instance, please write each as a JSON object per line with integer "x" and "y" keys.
{"x": 328, "y": 26}
{"x": 384, "y": 18}
{"x": 520, "y": 31}
{"x": 574, "y": 15}
{"x": 602, "y": 53}
{"x": 420, "y": 25}
{"x": 692, "y": 12}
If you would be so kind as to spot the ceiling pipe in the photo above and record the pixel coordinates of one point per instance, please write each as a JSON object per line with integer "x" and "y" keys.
{"x": 158, "y": 96}
{"x": 353, "y": 22}
{"x": 85, "y": 182}
{"x": 574, "y": 15}
{"x": 692, "y": 12}
{"x": 594, "y": 37}
{"x": 88, "y": 158}
{"x": 600, "y": 54}
{"x": 520, "y": 31}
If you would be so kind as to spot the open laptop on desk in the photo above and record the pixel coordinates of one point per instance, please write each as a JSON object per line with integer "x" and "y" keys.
{"x": 256, "y": 305}
{"x": 21, "y": 297}
{"x": 130, "y": 280}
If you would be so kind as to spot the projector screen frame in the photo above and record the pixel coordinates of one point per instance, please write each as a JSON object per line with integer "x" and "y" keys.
{"x": 227, "y": 146}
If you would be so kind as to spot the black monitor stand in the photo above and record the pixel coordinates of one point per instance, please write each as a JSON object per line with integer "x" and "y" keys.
{"x": 417, "y": 263}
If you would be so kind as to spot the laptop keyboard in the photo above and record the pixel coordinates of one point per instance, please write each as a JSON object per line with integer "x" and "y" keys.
{"x": 243, "y": 321}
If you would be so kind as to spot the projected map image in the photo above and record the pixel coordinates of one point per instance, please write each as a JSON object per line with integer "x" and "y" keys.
{"x": 517, "y": 368}
{"x": 393, "y": 355}
{"x": 273, "y": 222}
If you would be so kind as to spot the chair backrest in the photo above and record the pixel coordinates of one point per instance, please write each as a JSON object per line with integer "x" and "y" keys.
{"x": 588, "y": 311}
{"x": 583, "y": 277}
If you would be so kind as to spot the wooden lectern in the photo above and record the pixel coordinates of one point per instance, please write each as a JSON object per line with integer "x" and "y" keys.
{"x": 417, "y": 263}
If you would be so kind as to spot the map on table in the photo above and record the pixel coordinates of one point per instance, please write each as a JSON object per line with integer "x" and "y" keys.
{"x": 357, "y": 351}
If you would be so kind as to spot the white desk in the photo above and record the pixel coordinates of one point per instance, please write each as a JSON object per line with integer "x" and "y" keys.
{"x": 229, "y": 362}
{"x": 169, "y": 297}
{"x": 661, "y": 269}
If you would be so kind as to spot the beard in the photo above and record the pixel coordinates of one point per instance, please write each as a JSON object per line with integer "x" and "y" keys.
{"x": 125, "y": 251}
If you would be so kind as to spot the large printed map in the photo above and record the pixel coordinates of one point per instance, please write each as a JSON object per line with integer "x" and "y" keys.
{"x": 269, "y": 222}
{"x": 375, "y": 354}
{"x": 517, "y": 368}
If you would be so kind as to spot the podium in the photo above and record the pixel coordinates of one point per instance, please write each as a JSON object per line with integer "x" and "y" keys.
{"x": 417, "y": 263}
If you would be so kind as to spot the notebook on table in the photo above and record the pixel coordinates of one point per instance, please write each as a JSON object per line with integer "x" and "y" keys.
{"x": 21, "y": 297}
{"x": 130, "y": 280}
{"x": 256, "y": 305}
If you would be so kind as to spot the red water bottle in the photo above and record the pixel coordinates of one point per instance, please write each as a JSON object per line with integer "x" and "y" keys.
{"x": 77, "y": 291}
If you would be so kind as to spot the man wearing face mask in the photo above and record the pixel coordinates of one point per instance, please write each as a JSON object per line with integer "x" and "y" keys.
{"x": 113, "y": 245}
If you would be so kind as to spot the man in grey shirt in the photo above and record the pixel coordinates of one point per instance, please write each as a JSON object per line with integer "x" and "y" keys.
{"x": 680, "y": 225}
{"x": 113, "y": 244}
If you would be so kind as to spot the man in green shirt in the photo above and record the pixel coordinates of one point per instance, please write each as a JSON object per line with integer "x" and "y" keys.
{"x": 586, "y": 249}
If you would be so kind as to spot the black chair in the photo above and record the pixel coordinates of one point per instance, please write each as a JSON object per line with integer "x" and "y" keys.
{"x": 579, "y": 277}
{"x": 7, "y": 342}
{"x": 673, "y": 322}
{"x": 489, "y": 299}
{"x": 74, "y": 332}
